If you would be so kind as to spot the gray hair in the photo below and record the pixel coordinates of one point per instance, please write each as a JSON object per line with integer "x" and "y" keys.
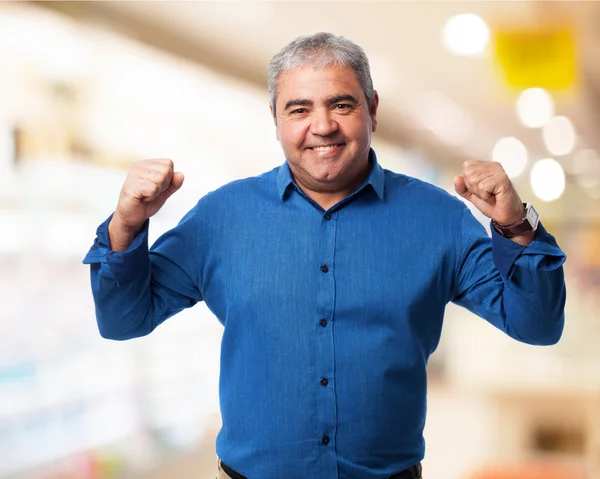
{"x": 321, "y": 50}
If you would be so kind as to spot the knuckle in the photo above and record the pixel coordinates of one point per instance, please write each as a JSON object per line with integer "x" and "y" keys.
{"x": 155, "y": 174}
{"x": 150, "y": 189}
{"x": 145, "y": 164}
{"x": 166, "y": 171}
{"x": 162, "y": 168}
{"x": 166, "y": 162}
{"x": 150, "y": 170}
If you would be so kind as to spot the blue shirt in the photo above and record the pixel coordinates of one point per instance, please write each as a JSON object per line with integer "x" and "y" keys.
{"x": 329, "y": 316}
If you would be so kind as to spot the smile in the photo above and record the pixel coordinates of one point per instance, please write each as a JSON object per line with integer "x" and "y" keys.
{"x": 325, "y": 148}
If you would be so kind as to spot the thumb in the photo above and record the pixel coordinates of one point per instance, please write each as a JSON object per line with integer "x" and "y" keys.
{"x": 176, "y": 182}
{"x": 461, "y": 188}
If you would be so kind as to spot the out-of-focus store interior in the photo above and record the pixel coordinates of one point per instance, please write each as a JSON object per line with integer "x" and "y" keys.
{"x": 86, "y": 88}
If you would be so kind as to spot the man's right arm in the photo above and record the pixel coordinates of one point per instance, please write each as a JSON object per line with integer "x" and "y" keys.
{"x": 135, "y": 289}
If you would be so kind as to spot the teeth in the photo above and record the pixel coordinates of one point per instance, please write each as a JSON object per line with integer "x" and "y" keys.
{"x": 324, "y": 148}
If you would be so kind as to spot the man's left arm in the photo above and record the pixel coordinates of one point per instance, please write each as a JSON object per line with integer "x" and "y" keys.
{"x": 520, "y": 286}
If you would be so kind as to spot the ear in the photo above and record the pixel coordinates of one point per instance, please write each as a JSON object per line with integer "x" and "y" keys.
{"x": 373, "y": 111}
{"x": 274, "y": 116}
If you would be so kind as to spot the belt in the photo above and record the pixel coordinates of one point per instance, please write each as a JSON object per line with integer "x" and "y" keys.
{"x": 413, "y": 472}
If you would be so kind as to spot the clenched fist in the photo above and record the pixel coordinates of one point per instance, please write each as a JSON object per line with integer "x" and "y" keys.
{"x": 147, "y": 187}
{"x": 487, "y": 186}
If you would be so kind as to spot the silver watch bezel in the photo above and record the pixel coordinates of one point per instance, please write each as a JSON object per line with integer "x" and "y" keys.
{"x": 532, "y": 216}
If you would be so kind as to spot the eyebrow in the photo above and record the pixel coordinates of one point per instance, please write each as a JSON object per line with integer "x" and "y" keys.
{"x": 330, "y": 101}
{"x": 341, "y": 98}
{"x": 298, "y": 102}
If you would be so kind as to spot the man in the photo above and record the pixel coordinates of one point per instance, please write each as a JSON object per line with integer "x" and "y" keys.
{"x": 330, "y": 276}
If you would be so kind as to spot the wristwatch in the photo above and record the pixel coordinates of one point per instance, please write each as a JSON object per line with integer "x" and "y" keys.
{"x": 528, "y": 223}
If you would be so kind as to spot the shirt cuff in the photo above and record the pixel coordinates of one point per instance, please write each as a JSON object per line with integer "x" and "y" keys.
{"x": 122, "y": 266}
{"x": 506, "y": 252}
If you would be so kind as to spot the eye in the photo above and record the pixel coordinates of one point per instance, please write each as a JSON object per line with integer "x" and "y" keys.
{"x": 342, "y": 106}
{"x": 298, "y": 111}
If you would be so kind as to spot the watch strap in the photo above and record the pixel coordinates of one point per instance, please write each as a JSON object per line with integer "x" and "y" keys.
{"x": 518, "y": 228}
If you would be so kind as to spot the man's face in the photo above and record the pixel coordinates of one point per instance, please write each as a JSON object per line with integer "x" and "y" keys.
{"x": 324, "y": 125}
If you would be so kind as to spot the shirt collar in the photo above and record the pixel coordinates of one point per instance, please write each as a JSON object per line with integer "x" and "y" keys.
{"x": 376, "y": 177}
{"x": 284, "y": 179}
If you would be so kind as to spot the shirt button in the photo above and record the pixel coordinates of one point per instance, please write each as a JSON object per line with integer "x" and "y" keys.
{"x": 327, "y": 216}
{"x": 323, "y": 322}
{"x": 325, "y": 440}
{"x": 324, "y": 382}
{"x": 324, "y": 268}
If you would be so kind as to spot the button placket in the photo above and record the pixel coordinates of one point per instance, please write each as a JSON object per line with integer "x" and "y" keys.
{"x": 325, "y": 302}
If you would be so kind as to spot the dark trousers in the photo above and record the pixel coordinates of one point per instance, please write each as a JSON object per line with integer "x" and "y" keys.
{"x": 413, "y": 472}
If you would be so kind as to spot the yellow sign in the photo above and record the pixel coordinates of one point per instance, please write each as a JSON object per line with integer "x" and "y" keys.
{"x": 544, "y": 58}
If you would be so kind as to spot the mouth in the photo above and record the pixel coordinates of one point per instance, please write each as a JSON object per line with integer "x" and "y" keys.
{"x": 325, "y": 148}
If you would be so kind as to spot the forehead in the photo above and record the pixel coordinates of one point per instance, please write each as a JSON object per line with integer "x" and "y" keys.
{"x": 317, "y": 83}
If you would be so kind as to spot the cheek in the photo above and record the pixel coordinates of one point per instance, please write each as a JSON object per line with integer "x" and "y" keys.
{"x": 291, "y": 134}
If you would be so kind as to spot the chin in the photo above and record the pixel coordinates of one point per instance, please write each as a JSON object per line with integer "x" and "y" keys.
{"x": 330, "y": 173}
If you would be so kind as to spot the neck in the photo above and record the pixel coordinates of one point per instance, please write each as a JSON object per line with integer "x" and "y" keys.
{"x": 326, "y": 199}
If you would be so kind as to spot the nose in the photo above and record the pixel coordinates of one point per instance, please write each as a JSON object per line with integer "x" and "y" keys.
{"x": 323, "y": 123}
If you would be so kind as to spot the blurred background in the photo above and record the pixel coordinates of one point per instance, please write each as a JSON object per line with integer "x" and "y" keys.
{"x": 86, "y": 88}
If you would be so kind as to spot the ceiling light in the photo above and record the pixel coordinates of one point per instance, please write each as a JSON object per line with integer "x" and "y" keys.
{"x": 465, "y": 34}
{"x": 512, "y": 155}
{"x": 535, "y": 107}
{"x": 547, "y": 179}
{"x": 559, "y": 135}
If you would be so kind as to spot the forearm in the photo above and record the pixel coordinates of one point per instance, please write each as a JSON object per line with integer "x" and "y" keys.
{"x": 136, "y": 290}
{"x": 121, "y": 287}
{"x": 519, "y": 289}
{"x": 123, "y": 310}
{"x": 533, "y": 303}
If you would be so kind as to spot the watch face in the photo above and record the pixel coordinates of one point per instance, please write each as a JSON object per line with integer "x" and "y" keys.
{"x": 532, "y": 216}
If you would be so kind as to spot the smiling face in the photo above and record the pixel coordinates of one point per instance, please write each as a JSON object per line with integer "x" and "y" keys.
{"x": 324, "y": 125}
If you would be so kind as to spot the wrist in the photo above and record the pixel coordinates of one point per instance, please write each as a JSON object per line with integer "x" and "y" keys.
{"x": 512, "y": 220}
{"x": 128, "y": 226}
{"x": 121, "y": 233}
{"x": 526, "y": 225}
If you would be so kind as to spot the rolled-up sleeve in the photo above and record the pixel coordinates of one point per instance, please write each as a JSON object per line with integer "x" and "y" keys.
{"x": 136, "y": 290}
{"x": 519, "y": 289}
